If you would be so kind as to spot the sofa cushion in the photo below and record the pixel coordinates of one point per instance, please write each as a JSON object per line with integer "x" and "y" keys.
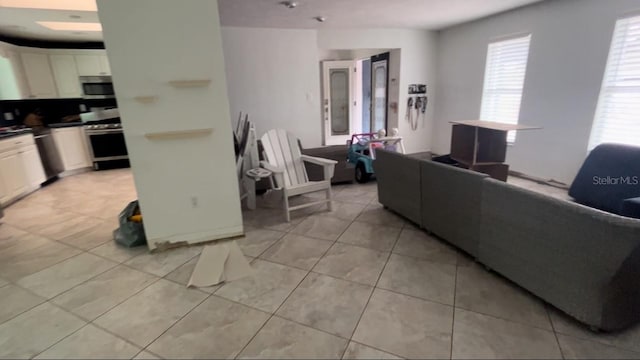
{"x": 609, "y": 175}
{"x": 398, "y": 179}
{"x": 343, "y": 171}
{"x": 451, "y": 203}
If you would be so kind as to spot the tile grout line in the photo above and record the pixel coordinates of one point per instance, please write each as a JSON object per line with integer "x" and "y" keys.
{"x": 289, "y": 295}
{"x": 91, "y": 322}
{"x": 47, "y": 268}
{"x": 114, "y": 306}
{"x": 453, "y": 313}
{"x": 270, "y": 246}
{"x": 62, "y": 339}
{"x": 553, "y": 328}
{"x": 375, "y": 286}
{"x": 270, "y": 316}
{"x": 176, "y": 322}
{"x": 111, "y": 308}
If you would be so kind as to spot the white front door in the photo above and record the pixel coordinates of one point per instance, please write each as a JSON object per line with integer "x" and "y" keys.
{"x": 338, "y": 105}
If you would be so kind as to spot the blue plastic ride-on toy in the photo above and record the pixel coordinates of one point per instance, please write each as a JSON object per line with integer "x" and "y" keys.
{"x": 362, "y": 151}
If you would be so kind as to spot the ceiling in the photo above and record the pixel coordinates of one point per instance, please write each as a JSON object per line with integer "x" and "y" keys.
{"x": 21, "y": 23}
{"x": 419, "y": 14}
{"x": 341, "y": 14}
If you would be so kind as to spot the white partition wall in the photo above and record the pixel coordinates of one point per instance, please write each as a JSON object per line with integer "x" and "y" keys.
{"x": 168, "y": 70}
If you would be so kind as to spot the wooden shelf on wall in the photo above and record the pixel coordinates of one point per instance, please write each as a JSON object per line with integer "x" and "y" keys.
{"x": 178, "y": 134}
{"x": 190, "y": 83}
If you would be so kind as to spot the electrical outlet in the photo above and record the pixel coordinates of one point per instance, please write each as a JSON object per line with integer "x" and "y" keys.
{"x": 194, "y": 202}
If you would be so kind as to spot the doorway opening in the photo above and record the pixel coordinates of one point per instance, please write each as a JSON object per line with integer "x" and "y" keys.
{"x": 355, "y": 86}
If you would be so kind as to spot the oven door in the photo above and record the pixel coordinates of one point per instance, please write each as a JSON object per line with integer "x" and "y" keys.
{"x": 107, "y": 145}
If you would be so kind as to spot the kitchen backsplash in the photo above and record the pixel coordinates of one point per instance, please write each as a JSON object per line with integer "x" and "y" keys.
{"x": 13, "y": 112}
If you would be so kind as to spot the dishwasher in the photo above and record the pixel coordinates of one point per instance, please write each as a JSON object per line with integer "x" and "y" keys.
{"x": 51, "y": 161}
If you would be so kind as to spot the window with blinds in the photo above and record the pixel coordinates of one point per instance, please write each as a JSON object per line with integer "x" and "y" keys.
{"x": 503, "y": 81}
{"x": 617, "y": 117}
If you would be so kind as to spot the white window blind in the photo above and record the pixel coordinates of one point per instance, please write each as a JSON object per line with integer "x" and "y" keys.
{"x": 503, "y": 81}
{"x": 617, "y": 117}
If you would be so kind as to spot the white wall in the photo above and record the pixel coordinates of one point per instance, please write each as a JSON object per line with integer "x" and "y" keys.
{"x": 569, "y": 46}
{"x": 413, "y": 60}
{"x": 273, "y": 75}
{"x": 187, "y": 187}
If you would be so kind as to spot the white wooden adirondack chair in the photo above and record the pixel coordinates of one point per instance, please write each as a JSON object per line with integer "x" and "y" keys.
{"x": 285, "y": 160}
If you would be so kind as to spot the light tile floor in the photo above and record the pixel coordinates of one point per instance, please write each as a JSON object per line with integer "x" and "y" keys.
{"x": 357, "y": 282}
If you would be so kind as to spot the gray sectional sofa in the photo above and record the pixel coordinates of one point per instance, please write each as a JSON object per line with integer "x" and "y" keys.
{"x": 583, "y": 261}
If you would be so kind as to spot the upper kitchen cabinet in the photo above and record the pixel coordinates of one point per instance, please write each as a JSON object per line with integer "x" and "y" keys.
{"x": 39, "y": 75}
{"x": 104, "y": 65}
{"x": 66, "y": 76}
{"x": 93, "y": 65}
{"x": 11, "y": 82}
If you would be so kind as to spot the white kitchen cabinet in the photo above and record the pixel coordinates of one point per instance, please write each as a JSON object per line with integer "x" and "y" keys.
{"x": 66, "y": 76}
{"x": 88, "y": 65}
{"x": 13, "y": 175}
{"x": 39, "y": 75}
{"x": 105, "y": 68}
{"x": 32, "y": 164}
{"x": 93, "y": 65}
{"x": 72, "y": 146}
{"x": 12, "y": 85}
{"x": 21, "y": 168}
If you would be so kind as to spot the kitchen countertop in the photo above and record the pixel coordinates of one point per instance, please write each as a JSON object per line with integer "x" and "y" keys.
{"x": 65, "y": 125}
{"x": 8, "y": 134}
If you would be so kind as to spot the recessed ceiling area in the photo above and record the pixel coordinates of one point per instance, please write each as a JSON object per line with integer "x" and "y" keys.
{"x": 75, "y": 20}
{"x": 71, "y": 26}
{"x": 20, "y": 18}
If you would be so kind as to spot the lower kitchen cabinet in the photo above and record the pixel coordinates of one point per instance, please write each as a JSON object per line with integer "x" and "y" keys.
{"x": 21, "y": 168}
{"x": 72, "y": 146}
{"x": 13, "y": 175}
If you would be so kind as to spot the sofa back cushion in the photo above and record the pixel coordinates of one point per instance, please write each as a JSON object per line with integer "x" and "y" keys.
{"x": 342, "y": 172}
{"x": 451, "y": 203}
{"x": 398, "y": 178}
{"x": 609, "y": 175}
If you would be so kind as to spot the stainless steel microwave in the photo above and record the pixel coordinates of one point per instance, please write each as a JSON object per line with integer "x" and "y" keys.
{"x": 97, "y": 87}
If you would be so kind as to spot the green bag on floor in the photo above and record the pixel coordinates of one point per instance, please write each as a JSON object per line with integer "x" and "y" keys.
{"x": 130, "y": 234}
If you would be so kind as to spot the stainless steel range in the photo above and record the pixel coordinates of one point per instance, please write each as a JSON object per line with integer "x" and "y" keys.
{"x": 104, "y": 136}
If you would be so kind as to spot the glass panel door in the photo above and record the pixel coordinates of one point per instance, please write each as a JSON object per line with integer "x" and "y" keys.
{"x": 379, "y": 76}
{"x": 339, "y": 87}
{"x": 337, "y": 102}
